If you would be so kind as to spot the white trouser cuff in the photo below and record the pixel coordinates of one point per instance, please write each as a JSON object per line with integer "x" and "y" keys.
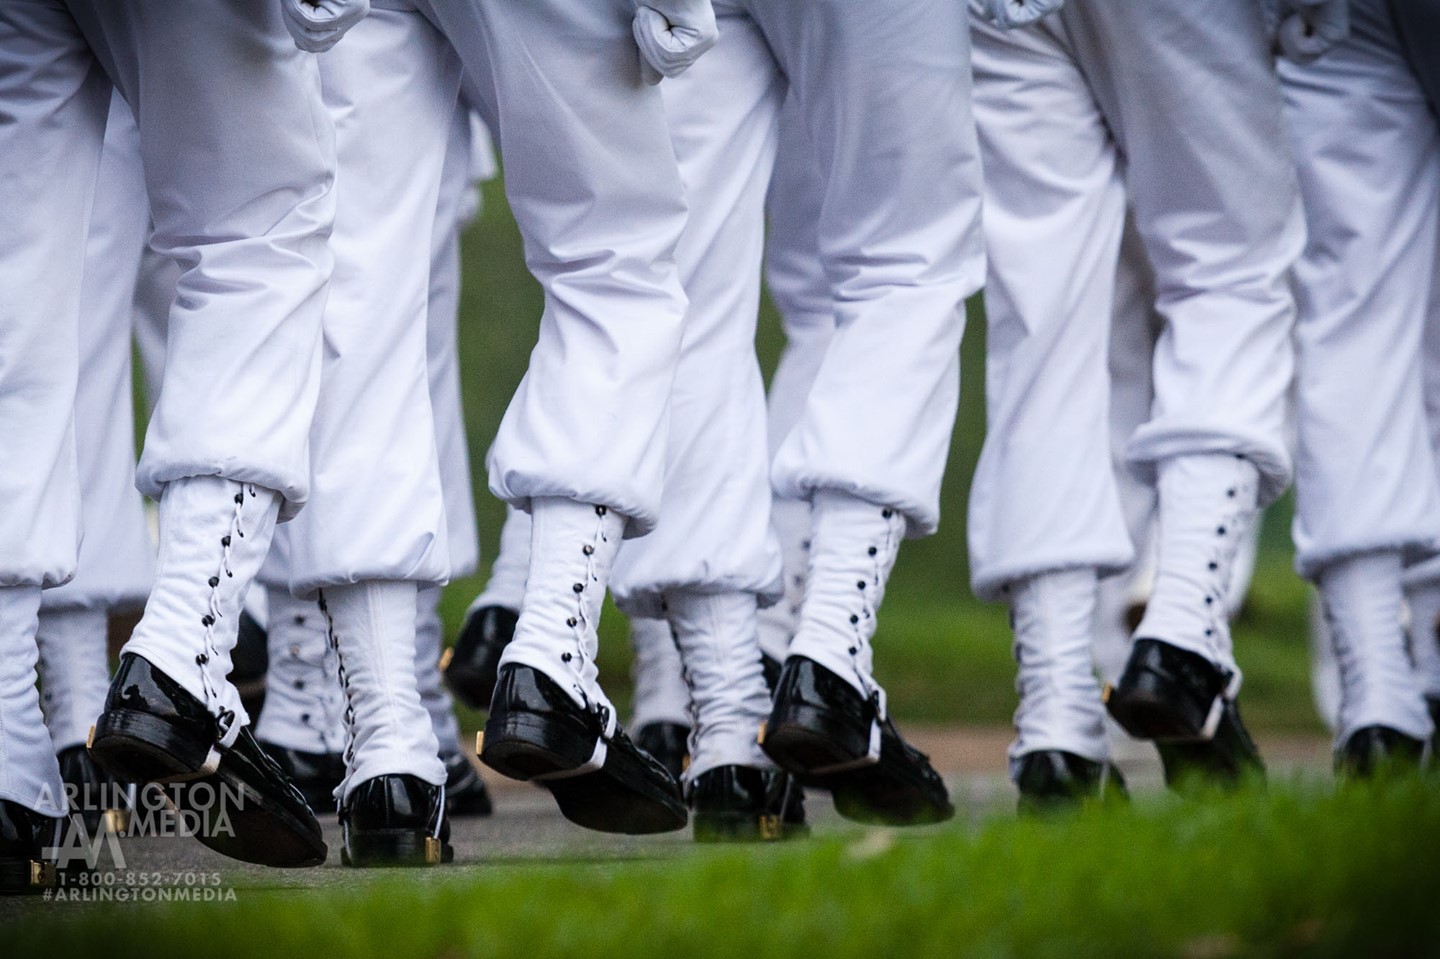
{"x": 74, "y": 671}
{"x": 214, "y": 536}
{"x": 372, "y": 627}
{"x": 1378, "y": 686}
{"x": 716, "y": 635}
{"x": 304, "y": 706}
{"x": 661, "y": 695}
{"x": 1060, "y": 708}
{"x": 29, "y": 774}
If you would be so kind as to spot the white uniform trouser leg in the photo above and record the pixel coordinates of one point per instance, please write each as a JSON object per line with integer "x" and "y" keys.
{"x": 377, "y": 510}
{"x": 592, "y": 181}
{"x": 714, "y": 532}
{"x": 442, "y": 354}
{"x": 1369, "y": 158}
{"x": 116, "y": 559}
{"x": 800, "y": 288}
{"x": 30, "y": 774}
{"x": 661, "y": 695}
{"x": 884, "y": 91}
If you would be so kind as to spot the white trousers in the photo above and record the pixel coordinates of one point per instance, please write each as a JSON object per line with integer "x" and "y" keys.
{"x": 592, "y": 181}
{"x": 1058, "y": 107}
{"x": 1368, "y": 149}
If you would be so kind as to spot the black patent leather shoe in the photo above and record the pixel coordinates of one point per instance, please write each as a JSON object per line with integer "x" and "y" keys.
{"x": 1052, "y": 779}
{"x": 470, "y": 666}
{"x": 1226, "y": 759}
{"x": 667, "y": 743}
{"x": 743, "y": 804}
{"x": 1167, "y": 693}
{"x": 465, "y": 792}
{"x": 537, "y": 732}
{"x": 395, "y": 820}
{"x": 316, "y": 775}
{"x": 95, "y": 796}
{"x": 25, "y": 835}
{"x": 820, "y": 730}
{"x": 1376, "y": 751}
{"x": 1433, "y": 703}
{"x": 154, "y": 730}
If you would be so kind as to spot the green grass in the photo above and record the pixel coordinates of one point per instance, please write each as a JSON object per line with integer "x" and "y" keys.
{"x": 943, "y": 655}
{"x": 1297, "y": 871}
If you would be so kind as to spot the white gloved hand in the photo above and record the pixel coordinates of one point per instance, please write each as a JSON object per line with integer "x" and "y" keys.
{"x": 1305, "y": 29}
{"x": 1008, "y": 14}
{"x": 672, "y": 34}
{"x": 317, "y": 25}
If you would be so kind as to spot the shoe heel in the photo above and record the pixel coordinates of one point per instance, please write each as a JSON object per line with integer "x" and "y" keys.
{"x": 400, "y": 847}
{"x": 1150, "y": 706}
{"x": 140, "y": 747}
{"x": 807, "y": 741}
{"x": 523, "y": 746}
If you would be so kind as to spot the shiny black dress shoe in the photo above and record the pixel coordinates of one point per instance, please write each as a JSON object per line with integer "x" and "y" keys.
{"x": 315, "y": 774}
{"x": 1167, "y": 693}
{"x": 667, "y": 743}
{"x": 95, "y": 796}
{"x": 820, "y": 730}
{"x": 395, "y": 820}
{"x": 465, "y": 792}
{"x": 537, "y": 732}
{"x": 24, "y": 837}
{"x": 1434, "y": 705}
{"x": 1051, "y": 779}
{"x": 154, "y": 730}
{"x": 1227, "y": 759}
{"x": 470, "y": 665}
{"x": 1376, "y": 751}
{"x": 743, "y": 804}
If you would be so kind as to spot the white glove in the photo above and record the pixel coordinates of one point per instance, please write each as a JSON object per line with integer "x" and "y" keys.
{"x": 672, "y": 34}
{"x": 317, "y": 25}
{"x": 1305, "y": 29}
{"x": 1008, "y": 14}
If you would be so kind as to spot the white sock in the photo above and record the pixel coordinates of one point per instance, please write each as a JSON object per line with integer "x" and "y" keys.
{"x": 716, "y": 634}
{"x": 74, "y": 670}
{"x": 429, "y": 637}
{"x": 29, "y": 772}
{"x": 1053, "y": 616}
{"x": 1206, "y": 503}
{"x": 852, "y": 551}
{"x": 661, "y": 695}
{"x": 572, "y": 550}
{"x": 214, "y": 535}
{"x": 790, "y": 518}
{"x": 1378, "y": 683}
{"x": 304, "y": 705}
{"x": 372, "y": 627}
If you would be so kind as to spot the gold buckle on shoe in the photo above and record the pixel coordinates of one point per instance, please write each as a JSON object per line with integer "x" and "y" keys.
{"x": 90, "y": 739}
{"x": 770, "y": 828}
{"x": 446, "y": 656}
{"x": 115, "y": 821}
{"x": 760, "y": 733}
{"x": 1105, "y": 693}
{"x": 479, "y": 742}
{"x": 432, "y": 851}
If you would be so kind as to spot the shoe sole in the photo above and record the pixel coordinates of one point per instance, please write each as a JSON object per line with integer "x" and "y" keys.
{"x": 744, "y": 828}
{"x": 615, "y": 798}
{"x": 807, "y": 744}
{"x": 139, "y": 747}
{"x": 394, "y": 848}
{"x": 865, "y": 797}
